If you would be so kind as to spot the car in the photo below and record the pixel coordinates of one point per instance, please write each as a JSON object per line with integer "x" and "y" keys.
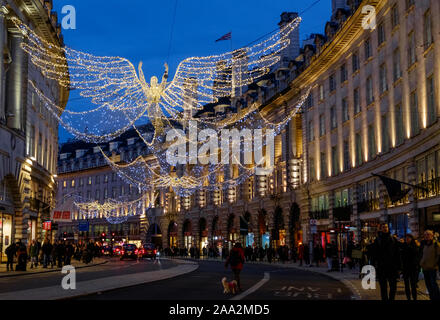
{"x": 129, "y": 251}
{"x": 147, "y": 251}
{"x": 106, "y": 250}
{"x": 117, "y": 250}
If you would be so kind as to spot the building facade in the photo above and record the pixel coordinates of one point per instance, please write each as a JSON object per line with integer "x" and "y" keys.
{"x": 84, "y": 175}
{"x": 372, "y": 109}
{"x": 29, "y": 134}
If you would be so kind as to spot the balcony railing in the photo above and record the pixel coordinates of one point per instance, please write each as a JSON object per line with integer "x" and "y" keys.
{"x": 368, "y": 205}
{"x": 342, "y": 213}
{"x": 432, "y": 189}
{"x": 318, "y": 215}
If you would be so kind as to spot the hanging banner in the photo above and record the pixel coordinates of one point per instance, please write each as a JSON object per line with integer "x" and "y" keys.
{"x": 61, "y": 216}
{"x": 47, "y": 225}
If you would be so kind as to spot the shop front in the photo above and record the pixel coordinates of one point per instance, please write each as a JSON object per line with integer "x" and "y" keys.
{"x": 369, "y": 229}
{"x": 203, "y": 241}
{"x": 262, "y": 230}
{"x": 250, "y": 239}
{"x": 265, "y": 240}
{"x": 32, "y": 229}
{"x": 172, "y": 234}
{"x": 232, "y": 232}
{"x": 187, "y": 234}
{"x": 278, "y": 233}
{"x": 5, "y": 233}
{"x": 216, "y": 235}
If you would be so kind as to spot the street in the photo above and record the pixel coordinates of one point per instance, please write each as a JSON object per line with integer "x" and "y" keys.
{"x": 114, "y": 267}
{"x": 204, "y": 284}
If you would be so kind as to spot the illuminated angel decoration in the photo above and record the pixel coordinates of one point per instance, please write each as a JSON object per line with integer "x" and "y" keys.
{"x": 119, "y": 96}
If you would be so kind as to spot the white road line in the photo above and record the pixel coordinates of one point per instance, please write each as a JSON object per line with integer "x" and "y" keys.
{"x": 253, "y": 288}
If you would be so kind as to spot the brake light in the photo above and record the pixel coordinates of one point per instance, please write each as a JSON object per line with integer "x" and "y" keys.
{"x": 122, "y": 252}
{"x": 136, "y": 251}
{"x": 103, "y": 251}
{"x": 155, "y": 251}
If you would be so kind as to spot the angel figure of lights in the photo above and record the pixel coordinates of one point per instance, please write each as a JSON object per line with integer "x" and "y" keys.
{"x": 119, "y": 96}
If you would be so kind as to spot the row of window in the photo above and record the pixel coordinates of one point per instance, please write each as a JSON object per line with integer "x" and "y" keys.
{"x": 89, "y": 180}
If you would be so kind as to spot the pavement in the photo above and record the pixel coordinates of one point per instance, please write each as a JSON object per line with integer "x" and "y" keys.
{"x": 349, "y": 278}
{"x": 40, "y": 269}
{"x": 97, "y": 284}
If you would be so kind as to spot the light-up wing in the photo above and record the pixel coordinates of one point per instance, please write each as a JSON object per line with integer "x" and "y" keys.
{"x": 201, "y": 80}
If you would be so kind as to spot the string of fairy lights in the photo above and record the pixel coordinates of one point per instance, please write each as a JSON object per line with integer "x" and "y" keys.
{"x": 120, "y": 97}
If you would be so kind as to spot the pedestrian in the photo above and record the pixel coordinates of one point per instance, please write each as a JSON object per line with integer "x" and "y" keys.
{"x": 68, "y": 253}
{"x": 386, "y": 257}
{"x": 410, "y": 266}
{"x": 236, "y": 260}
{"x": 38, "y": 253}
{"x": 269, "y": 254}
{"x": 11, "y": 252}
{"x": 430, "y": 250}
{"x": 21, "y": 257}
{"x": 47, "y": 251}
{"x": 33, "y": 253}
{"x": 301, "y": 254}
{"x": 329, "y": 255}
{"x": 316, "y": 254}
{"x": 53, "y": 255}
{"x": 307, "y": 254}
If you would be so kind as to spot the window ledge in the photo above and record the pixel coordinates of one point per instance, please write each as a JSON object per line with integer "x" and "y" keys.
{"x": 412, "y": 67}
{"x": 383, "y": 44}
{"x": 428, "y": 49}
{"x": 384, "y": 94}
{"x": 397, "y": 82}
{"x": 370, "y": 58}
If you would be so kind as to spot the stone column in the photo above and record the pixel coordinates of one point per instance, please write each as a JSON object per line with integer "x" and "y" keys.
{"x": 331, "y": 205}
{"x": 413, "y": 219}
{"x": 16, "y": 84}
{"x": 356, "y": 217}
{"x": 382, "y": 193}
{"x": 2, "y": 68}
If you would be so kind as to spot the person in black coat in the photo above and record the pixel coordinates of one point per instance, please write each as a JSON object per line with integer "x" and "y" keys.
{"x": 21, "y": 256}
{"x": 11, "y": 251}
{"x": 386, "y": 257}
{"x": 60, "y": 252}
{"x": 410, "y": 266}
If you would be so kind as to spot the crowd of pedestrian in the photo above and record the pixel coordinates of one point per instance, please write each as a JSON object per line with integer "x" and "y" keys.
{"x": 49, "y": 254}
{"x": 393, "y": 258}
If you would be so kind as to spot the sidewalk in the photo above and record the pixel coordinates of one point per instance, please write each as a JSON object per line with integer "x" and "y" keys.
{"x": 40, "y": 269}
{"x": 348, "y": 277}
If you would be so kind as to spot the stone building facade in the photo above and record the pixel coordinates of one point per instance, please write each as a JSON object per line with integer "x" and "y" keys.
{"x": 29, "y": 134}
{"x": 373, "y": 108}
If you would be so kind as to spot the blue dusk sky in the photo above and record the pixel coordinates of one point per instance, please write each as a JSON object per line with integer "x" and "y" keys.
{"x": 140, "y": 30}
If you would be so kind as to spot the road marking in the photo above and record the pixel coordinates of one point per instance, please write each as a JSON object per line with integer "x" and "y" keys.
{"x": 253, "y": 288}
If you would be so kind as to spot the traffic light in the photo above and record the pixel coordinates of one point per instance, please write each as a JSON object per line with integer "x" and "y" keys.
{"x": 113, "y": 236}
{"x": 103, "y": 237}
{"x": 65, "y": 236}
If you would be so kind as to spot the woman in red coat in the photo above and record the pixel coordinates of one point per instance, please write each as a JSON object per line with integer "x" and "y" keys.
{"x": 236, "y": 260}
{"x": 301, "y": 254}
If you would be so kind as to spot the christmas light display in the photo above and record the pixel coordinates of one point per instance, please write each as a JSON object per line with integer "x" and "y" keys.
{"x": 119, "y": 98}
